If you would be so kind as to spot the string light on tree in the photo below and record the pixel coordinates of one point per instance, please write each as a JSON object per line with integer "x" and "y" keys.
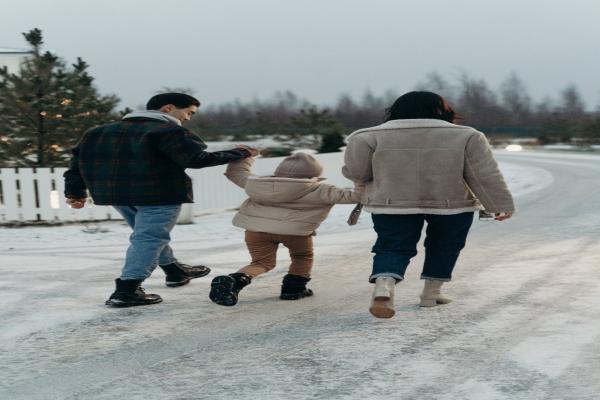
{"x": 56, "y": 96}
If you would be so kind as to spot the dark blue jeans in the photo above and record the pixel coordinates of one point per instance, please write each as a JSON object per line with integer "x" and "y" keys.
{"x": 398, "y": 235}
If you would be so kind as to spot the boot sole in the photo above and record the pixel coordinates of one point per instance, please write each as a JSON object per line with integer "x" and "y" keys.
{"x": 296, "y": 296}
{"x": 221, "y": 291}
{"x": 380, "y": 308}
{"x": 177, "y": 284}
{"x": 187, "y": 279}
{"x": 123, "y": 304}
{"x": 431, "y": 303}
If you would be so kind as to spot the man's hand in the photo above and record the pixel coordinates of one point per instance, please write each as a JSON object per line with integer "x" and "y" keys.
{"x": 253, "y": 150}
{"x": 503, "y": 216}
{"x": 76, "y": 203}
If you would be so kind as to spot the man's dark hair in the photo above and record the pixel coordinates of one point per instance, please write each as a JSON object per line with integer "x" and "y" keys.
{"x": 416, "y": 105}
{"x": 179, "y": 100}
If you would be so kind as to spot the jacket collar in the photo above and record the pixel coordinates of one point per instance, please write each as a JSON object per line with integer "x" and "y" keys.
{"x": 153, "y": 114}
{"x": 408, "y": 124}
{"x": 414, "y": 123}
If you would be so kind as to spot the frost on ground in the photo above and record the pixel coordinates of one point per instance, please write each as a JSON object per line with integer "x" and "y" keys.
{"x": 525, "y": 322}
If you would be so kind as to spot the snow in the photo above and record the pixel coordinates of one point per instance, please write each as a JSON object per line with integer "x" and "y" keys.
{"x": 7, "y": 50}
{"x": 522, "y": 181}
{"x": 215, "y": 230}
{"x": 559, "y": 146}
{"x": 525, "y": 323}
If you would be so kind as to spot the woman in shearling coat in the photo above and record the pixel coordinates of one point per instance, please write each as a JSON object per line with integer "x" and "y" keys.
{"x": 285, "y": 208}
{"x": 420, "y": 167}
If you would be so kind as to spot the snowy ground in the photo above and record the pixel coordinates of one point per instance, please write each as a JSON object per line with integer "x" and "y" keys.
{"x": 525, "y": 323}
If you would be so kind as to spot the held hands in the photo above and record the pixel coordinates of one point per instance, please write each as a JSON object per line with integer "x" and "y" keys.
{"x": 359, "y": 187}
{"x": 76, "y": 203}
{"x": 253, "y": 150}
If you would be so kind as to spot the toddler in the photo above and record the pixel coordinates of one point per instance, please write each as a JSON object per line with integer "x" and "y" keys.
{"x": 285, "y": 208}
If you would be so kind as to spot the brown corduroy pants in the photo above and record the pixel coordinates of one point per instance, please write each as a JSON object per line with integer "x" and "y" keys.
{"x": 263, "y": 250}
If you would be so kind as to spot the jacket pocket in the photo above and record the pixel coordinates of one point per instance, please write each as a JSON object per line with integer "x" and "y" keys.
{"x": 395, "y": 174}
{"x": 417, "y": 175}
{"x": 442, "y": 175}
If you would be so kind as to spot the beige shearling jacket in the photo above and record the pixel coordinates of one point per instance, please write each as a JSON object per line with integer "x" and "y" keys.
{"x": 284, "y": 206}
{"x": 428, "y": 166}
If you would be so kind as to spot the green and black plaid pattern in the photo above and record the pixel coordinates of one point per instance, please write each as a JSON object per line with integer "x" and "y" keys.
{"x": 139, "y": 161}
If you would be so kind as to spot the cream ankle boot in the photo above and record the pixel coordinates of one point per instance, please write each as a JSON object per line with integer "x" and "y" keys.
{"x": 382, "y": 305}
{"x": 431, "y": 295}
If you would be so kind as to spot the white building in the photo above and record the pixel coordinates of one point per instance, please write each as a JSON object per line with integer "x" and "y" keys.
{"x": 12, "y": 58}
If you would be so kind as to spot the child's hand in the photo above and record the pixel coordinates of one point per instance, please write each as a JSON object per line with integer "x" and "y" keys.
{"x": 359, "y": 186}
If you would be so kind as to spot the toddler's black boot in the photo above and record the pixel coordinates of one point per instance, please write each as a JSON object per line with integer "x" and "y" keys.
{"x": 294, "y": 287}
{"x": 224, "y": 289}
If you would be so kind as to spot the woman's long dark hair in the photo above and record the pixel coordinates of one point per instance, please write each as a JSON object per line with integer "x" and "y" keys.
{"x": 417, "y": 105}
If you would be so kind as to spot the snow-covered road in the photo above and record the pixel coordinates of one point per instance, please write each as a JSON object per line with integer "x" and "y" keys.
{"x": 525, "y": 323}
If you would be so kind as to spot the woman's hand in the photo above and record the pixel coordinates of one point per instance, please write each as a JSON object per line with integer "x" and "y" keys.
{"x": 76, "y": 203}
{"x": 503, "y": 216}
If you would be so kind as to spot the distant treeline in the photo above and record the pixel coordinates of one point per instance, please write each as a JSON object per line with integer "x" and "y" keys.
{"x": 508, "y": 111}
{"x": 48, "y": 104}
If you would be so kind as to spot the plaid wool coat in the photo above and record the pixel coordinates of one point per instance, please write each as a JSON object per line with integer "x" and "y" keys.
{"x": 141, "y": 162}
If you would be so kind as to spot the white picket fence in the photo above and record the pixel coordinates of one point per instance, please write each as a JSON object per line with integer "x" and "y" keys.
{"x": 36, "y": 194}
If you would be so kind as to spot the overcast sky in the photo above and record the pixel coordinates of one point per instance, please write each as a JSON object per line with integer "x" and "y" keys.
{"x": 227, "y": 49}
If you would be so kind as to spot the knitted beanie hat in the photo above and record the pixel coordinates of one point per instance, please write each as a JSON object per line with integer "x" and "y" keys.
{"x": 299, "y": 165}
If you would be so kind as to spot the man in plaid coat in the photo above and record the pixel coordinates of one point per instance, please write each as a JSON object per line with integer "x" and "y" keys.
{"x": 137, "y": 165}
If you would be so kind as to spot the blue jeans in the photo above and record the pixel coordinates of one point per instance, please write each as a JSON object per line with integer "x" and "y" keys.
{"x": 398, "y": 235}
{"x": 150, "y": 239}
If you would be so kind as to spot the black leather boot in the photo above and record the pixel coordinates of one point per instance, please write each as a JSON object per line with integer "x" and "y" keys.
{"x": 224, "y": 289}
{"x": 129, "y": 293}
{"x": 179, "y": 274}
{"x": 294, "y": 287}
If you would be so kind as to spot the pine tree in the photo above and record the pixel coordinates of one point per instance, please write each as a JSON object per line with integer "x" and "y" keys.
{"x": 331, "y": 142}
{"x": 312, "y": 126}
{"x": 46, "y": 106}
